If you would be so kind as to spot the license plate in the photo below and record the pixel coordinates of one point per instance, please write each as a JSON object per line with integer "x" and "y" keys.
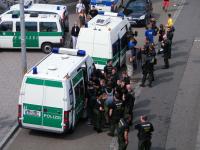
{"x": 33, "y": 113}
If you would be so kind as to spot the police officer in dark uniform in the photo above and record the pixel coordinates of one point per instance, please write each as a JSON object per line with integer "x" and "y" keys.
{"x": 170, "y": 35}
{"x": 115, "y": 113}
{"x": 99, "y": 112}
{"x": 145, "y": 130}
{"x": 122, "y": 133}
{"x": 166, "y": 51}
{"x": 147, "y": 67}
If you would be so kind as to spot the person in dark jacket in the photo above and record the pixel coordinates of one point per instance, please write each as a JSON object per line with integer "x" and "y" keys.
{"x": 170, "y": 35}
{"x": 145, "y": 130}
{"x": 74, "y": 33}
{"x": 93, "y": 12}
{"x": 166, "y": 51}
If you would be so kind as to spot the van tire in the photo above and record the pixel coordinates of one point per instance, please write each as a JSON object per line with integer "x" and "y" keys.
{"x": 46, "y": 47}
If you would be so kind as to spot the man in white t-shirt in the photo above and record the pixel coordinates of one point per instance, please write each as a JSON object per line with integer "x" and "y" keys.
{"x": 80, "y": 6}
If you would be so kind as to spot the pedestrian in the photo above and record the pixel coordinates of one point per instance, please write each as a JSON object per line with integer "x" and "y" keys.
{"x": 122, "y": 134}
{"x": 114, "y": 77}
{"x": 160, "y": 38}
{"x": 74, "y": 33}
{"x": 166, "y": 51}
{"x": 149, "y": 34}
{"x": 87, "y": 6}
{"x": 129, "y": 104}
{"x": 90, "y": 102}
{"x": 170, "y": 22}
{"x": 125, "y": 77}
{"x": 154, "y": 26}
{"x": 144, "y": 135}
{"x": 165, "y": 5}
{"x": 99, "y": 113}
{"x": 129, "y": 59}
{"x": 82, "y": 18}
{"x": 108, "y": 68}
{"x": 147, "y": 67}
{"x": 79, "y": 6}
{"x": 115, "y": 113}
{"x": 93, "y": 12}
{"x": 170, "y": 35}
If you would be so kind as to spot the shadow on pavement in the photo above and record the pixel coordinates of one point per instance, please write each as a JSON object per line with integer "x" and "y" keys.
{"x": 159, "y": 148}
{"x": 81, "y": 130}
{"x": 178, "y": 63}
{"x": 178, "y": 54}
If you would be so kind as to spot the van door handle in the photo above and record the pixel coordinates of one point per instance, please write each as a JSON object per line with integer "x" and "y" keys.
{"x": 45, "y": 109}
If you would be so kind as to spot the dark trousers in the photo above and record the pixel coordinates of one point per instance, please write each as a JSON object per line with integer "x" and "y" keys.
{"x": 144, "y": 145}
{"x": 166, "y": 61}
{"x": 150, "y": 77}
{"x": 122, "y": 144}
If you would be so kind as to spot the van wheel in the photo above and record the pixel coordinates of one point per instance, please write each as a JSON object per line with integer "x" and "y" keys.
{"x": 47, "y": 48}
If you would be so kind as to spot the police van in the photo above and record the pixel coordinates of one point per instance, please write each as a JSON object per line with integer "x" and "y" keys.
{"x": 53, "y": 92}
{"x": 106, "y": 5}
{"x": 30, "y": 7}
{"x": 105, "y": 39}
{"x": 43, "y": 31}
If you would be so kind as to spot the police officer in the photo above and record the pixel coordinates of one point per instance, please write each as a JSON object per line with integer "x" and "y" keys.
{"x": 166, "y": 51}
{"x": 115, "y": 113}
{"x": 99, "y": 112}
{"x": 145, "y": 130}
{"x": 129, "y": 101}
{"x": 147, "y": 67}
{"x": 170, "y": 35}
{"x": 122, "y": 133}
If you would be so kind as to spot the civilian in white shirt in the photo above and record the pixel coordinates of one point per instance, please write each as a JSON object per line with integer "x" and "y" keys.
{"x": 80, "y": 6}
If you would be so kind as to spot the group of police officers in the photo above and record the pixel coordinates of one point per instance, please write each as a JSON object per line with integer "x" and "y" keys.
{"x": 110, "y": 97}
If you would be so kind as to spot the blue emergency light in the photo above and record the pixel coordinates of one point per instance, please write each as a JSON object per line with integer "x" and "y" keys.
{"x": 101, "y": 12}
{"x": 35, "y": 70}
{"x": 55, "y": 50}
{"x": 120, "y": 14}
{"x": 81, "y": 53}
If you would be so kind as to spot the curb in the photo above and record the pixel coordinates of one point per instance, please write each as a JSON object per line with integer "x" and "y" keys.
{"x": 9, "y": 135}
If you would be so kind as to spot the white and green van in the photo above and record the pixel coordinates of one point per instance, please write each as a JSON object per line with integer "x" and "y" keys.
{"x": 105, "y": 38}
{"x": 30, "y": 7}
{"x": 53, "y": 92}
{"x": 43, "y": 31}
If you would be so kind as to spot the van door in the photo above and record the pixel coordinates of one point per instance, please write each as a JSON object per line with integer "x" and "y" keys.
{"x": 6, "y": 34}
{"x": 33, "y": 101}
{"x": 32, "y": 40}
{"x": 79, "y": 94}
{"x": 53, "y": 104}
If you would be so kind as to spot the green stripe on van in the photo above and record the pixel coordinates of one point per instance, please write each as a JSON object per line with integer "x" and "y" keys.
{"x": 100, "y": 61}
{"x": 50, "y": 33}
{"x": 50, "y": 83}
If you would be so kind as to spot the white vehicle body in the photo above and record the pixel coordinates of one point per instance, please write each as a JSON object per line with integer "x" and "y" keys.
{"x": 105, "y": 39}
{"x": 106, "y": 5}
{"x": 30, "y": 7}
{"x": 42, "y": 31}
{"x": 52, "y": 93}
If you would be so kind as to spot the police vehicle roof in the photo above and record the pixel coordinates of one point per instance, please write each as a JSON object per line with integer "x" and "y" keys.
{"x": 111, "y": 22}
{"x": 42, "y": 8}
{"x": 28, "y": 17}
{"x": 57, "y": 66}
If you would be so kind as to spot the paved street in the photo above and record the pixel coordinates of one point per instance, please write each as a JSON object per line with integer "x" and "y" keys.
{"x": 172, "y": 104}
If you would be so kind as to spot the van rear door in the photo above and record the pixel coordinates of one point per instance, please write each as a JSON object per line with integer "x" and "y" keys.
{"x": 43, "y": 103}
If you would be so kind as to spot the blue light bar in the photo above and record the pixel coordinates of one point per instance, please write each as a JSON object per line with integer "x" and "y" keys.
{"x": 35, "y": 70}
{"x": 81, "y": 53}
{"x": 55, "y": 50}
{"x": 101, "y": 12}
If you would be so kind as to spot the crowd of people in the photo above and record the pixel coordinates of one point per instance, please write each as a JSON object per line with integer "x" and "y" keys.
{"x": 110, "y": 96}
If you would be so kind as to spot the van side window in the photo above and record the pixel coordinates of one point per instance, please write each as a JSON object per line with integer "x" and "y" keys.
{"x": 31, "y": 26}
{"x": 6, "y": 26}
{"x": 48, "y": 27}
{"x": 79, "y": 90}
